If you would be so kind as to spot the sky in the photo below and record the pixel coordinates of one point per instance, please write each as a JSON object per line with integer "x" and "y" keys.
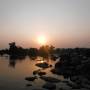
{"x": 64, "y": 23}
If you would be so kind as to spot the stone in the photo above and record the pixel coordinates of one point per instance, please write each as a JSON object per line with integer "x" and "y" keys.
{"x": 41, "y": 73}
{"x": 38, "y": 89}
{"x": 36, "y": 72}
{"x": 42, "y": 65}
{"x": 50, "y": 79}
{"x": 73, "y": 85}
{"x": 87, "y": 86}
{"x": 28, "y": 85}
{"x": 30, "y": 78}
{"x": 49, "y": 86}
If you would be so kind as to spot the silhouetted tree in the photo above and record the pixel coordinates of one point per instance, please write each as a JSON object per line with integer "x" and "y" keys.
{"x": 46, "y": 51}
{"x": 16, "y": 50}
{"x": 33, "y": 52}
{"x": 51, "y": 50}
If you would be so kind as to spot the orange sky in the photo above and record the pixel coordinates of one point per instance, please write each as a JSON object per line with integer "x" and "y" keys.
{"x": 63, "y": 23}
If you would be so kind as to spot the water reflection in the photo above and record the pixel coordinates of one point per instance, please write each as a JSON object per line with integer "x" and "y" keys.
{"x": 14, "y": 79}
{"x": 32, "y": 57}
{"x": 12, "y": 63}
{"x": 40, "y": 60}
{"x": 13, "y": 60}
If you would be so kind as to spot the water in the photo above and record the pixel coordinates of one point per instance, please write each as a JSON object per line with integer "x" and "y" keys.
{"x": 13, "y": 73}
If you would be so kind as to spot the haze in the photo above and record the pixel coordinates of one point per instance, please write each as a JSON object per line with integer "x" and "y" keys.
{"x": 65, "y": 23}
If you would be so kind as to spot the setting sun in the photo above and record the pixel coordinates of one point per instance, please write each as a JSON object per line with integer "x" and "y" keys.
{"x": 42, "y": 40}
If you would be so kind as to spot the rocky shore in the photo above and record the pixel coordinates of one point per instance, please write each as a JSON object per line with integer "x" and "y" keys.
{"x": 76, "y": 66}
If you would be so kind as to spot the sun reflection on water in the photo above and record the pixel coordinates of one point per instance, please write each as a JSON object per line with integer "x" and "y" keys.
{"x": 42, "y": 61}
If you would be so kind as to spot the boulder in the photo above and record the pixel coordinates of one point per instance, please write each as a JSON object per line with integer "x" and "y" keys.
{"x": 28, "y": 85}
{"x": 42, "y": 65}
{"x": 36, "y": 72}
{"x": 41, "y": 73}
{"x": 38, "y": 89}
{"x": 87, "y": 86}
{"x": 73, "y": 85}
{"x": 30, "y": 78}
{"x": 49, "y": 86}
{"x": 50, "y": 79}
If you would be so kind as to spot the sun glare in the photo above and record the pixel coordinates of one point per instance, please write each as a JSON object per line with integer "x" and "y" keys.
{"x": 42, "y": 40}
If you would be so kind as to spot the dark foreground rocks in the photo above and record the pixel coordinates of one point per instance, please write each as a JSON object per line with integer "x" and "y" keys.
{"x": 38, "y": 89}
{"x": 42, "y": 65}
{"x": 74, "y": 64}
{"x": 50, "y": 79}
{"x": 28, "y": 85}
{"x": 39, "y": 72}
{"x": 49, "y": 86}
{"x": 30, "y": 78}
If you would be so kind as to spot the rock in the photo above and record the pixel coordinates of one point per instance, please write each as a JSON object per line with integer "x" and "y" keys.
{"x": 82, "y": 89}
{"x": 79, "y": 68}
{"x": 49, "y": 86}
{"x": 74, "y": 78}
{"x": 38, "y": 89}
{"x": 76, "y": 60}
{"x": 30, "y": 78}
{"x": 81, "y": 81}
{"x": 85, "y": 80}
{"x": 65, "y": 73}
{"x": 86, "y": 86}
{"x": 50, "y": 66}
{"x": 36, "y": 72}
{"x": 73, "y": 85}
{"x": 64, "y": 88}
{"x": 42, "y": 65}
{"x": 56, "y": 71}
{"x": 78, "y": 79}
{"x": 41, "y": 73}
{"x": 53, "y": 57}
{"x": 61, "y": 89}
{"x": 50, "y": 79}
{"x": 65, "y": 81}
{"x": 58, "y": 64}
{"x": 28, "y": 85}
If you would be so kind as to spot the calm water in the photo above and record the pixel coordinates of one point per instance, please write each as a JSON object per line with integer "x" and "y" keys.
{"x": 13, "y": 73}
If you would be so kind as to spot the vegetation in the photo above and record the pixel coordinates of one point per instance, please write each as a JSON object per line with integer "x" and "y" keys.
{"x": 17, "y": 51}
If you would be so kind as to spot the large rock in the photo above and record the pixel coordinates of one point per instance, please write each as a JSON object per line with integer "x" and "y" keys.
{"x": 41, "y": 73}
{"x": 56, "y": 71}
{"x": 86, "y": 86}
{"x": 38, "y": 89}
{"x": 36, "y": 72}
{"x": 28, "y": 85}
{"x": 65, "y": 88}
{"x": 76, "y": 60}
{"x": 30, "y": 78}
{"x": 74, "y": 85}
{"x": 49, "y": 86}
{"x": 42, "y": 65}
{"x": 50, "y": 79}
{"x": 58, "y": 64}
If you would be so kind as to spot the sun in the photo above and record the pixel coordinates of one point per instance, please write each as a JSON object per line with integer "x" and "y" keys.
{"x": 42, "y": 40}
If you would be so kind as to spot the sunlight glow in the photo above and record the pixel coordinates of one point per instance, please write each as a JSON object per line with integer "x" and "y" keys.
{"x": 42, "y": 61}
{"x": 42, "y": 40}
